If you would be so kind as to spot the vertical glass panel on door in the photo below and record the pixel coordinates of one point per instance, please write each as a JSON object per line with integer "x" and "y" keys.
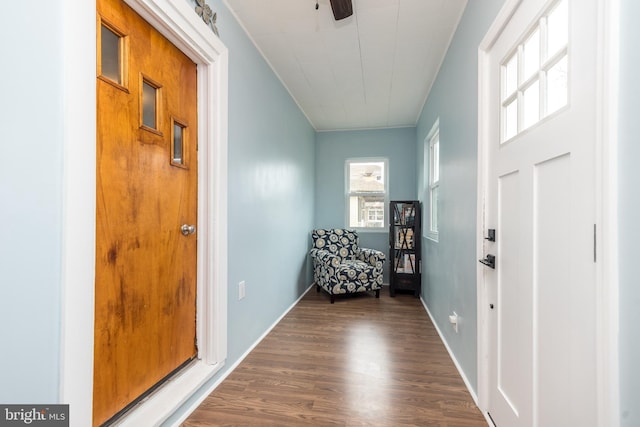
{"x": 531, "y": 55}
{"x": 510, "y": 120}
{"x": 557, "y": 29}
{"x": 149, "y": 103}
{"x": 178, "y": 144}
{"x": 110, "y": 57}
{"x": 510, "y": 77}
{"x": 531, "y": 105}
{"x": 557, "y": 87}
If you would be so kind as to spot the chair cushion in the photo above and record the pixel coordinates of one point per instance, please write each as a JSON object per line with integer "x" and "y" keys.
{"x": 338, "y": 241}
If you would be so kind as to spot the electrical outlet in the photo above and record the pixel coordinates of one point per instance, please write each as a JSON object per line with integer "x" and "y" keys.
{"x": 453, "y": 319}
{"x": 241, "y": 290}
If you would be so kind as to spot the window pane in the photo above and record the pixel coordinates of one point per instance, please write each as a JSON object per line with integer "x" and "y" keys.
{"x": 558, "y": 28}
{"x": 531, "y": 105}
{"x": 531, "y": 55}
{"x": 366, "y": 177}
{"x": 366, "y": 211}
{"x": 510, "y": 117}
{"x": 110, "y": 54}
{"x": 510, "y": 76}
{"x": 435, "y": 163}
{"x": 148, "y": 105}
{"x": 557, "y": 88}
{"x": 177, "y": 143}
{"x": 434, "y": 209}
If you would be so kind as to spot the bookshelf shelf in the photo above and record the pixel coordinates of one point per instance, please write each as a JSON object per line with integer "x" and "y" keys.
{"x": 404, "y": 247}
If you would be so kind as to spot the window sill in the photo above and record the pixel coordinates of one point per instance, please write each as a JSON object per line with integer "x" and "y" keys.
{"x": 430, "y": 235}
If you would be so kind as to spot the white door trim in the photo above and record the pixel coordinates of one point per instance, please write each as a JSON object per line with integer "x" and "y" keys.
{"x": 177, "y": 21}
{"x": 606, "y": 194}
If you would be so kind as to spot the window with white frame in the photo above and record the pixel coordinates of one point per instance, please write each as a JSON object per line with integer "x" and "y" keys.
{"x": 432, "y": 159}
{"x": 534, "y": 76}
{"x": 366, "y": 193}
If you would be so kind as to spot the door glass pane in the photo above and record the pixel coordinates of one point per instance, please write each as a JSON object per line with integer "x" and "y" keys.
{"x": 178, "y": 134}
{"x": 531, "y": 55}
{"x": 531, "y": 105}
{"x": 510, "y": 76}
{"x": 558, "y": 28}
{"x": 557, "y": 88}
{"x": 149, "y": 95}
{"x": 110, "y": 54}
{"x": 510, "y": 118}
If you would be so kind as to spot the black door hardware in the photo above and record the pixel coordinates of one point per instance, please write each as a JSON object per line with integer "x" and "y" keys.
{"x": 489, "y": 261}
{"x": 491, "y": 235}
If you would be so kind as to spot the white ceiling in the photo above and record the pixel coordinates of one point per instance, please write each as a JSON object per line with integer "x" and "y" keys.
{"x": 371, "y": 70}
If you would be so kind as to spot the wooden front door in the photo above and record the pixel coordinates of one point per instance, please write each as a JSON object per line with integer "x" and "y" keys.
{"x": 145, "y": 288}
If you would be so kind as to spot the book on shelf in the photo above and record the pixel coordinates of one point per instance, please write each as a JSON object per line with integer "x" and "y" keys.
{"x": 408, "y": 215}
{"x": 409, "y": 263}
{"x": 404, "y": 238}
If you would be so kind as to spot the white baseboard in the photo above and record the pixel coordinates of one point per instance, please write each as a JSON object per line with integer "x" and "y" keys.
{"x": 215, "y": 385}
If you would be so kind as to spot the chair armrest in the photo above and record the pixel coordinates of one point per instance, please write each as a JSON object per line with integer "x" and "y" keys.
{"x": 325, "y": 257}
{"x": 371, "y": 256}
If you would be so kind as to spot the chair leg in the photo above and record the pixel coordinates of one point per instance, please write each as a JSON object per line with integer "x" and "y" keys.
{"x": 317, "y": 288}
{"x": 333, "y": 298}
{"x": 377, "y": 293}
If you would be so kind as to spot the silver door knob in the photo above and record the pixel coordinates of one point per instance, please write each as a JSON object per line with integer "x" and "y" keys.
{"x": 187, "y": 229}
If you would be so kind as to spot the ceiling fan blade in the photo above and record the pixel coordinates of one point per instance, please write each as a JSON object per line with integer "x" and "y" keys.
{"x": 341, "y": 9}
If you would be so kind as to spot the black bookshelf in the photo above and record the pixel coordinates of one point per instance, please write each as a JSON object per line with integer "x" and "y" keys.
{"x": 404, "y": 247}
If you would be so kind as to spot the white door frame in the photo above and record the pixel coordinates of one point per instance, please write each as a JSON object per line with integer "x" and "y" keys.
{"x": 177, "y": 21}
{"x": 606, "y": 199}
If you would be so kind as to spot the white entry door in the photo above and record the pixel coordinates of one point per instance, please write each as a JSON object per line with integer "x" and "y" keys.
{"x": 540, "y": 199}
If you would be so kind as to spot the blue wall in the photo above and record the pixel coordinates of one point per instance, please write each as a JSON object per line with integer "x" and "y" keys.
{"x": 629, "y": 213}
{"x": 332, "y": 151}
{"x": 271, "y": 194}
{"x": 31, "y": 194}
{"x": 449, "y": 266}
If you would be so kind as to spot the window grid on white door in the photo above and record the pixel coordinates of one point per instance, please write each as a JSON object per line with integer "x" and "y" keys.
{"x": 534, "y": 76}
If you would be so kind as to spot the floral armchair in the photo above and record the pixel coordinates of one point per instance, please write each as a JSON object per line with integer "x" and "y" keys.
{"x": 340, "y": 266}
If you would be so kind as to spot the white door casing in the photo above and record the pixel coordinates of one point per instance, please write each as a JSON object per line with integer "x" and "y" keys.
{"x": 540, "y": 361}
{"x": 177, "y": 21}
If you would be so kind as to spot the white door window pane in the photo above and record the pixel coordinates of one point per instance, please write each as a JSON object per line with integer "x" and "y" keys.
{"x": 557, "y": 88}
{"x": 510, "y": 76}
{"x": 557, "y": 29}
{"x": 510, "y": 119}
{"x": 531, "y": 55}
{"x": 531, "y": 105}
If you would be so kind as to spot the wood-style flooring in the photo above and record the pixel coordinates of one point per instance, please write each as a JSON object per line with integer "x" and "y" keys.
{"x": 359, "y": 362}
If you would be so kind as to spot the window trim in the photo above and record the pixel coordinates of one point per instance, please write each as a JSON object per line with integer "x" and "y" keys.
{"x": 348, "y": 194}
{"x": 430, "y": 185}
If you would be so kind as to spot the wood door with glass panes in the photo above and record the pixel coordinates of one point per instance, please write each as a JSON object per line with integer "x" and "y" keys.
{"x": 146, "y": 210}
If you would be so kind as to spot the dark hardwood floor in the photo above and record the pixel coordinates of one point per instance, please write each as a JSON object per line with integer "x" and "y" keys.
{"x": 359, "y": 362}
